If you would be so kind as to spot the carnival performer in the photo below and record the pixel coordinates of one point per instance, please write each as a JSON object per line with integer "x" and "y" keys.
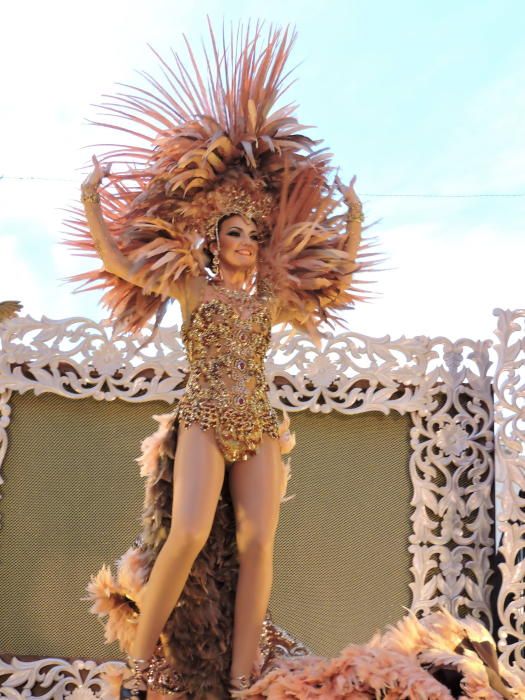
{"x": 223, "y": 205}
{"x": 226, "y": 207}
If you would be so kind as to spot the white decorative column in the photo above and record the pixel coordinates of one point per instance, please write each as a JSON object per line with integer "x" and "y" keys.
{"x": 509, "y": 390}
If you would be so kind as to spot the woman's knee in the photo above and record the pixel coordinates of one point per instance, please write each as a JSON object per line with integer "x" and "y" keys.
{"x": 187, "y": 536}
{"x": 255, "y": 541}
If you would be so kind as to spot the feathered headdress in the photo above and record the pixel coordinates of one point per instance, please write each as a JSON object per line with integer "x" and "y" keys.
{"x": 214, "y": 144}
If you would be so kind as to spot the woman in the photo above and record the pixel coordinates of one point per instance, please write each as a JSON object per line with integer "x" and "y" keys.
{"x": 225, "y": 392}
{"x": 230, "y": 212}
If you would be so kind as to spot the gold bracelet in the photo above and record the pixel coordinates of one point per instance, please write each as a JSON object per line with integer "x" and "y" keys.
{"x": 90, "y": 196}
{"x": 355, "y": 210}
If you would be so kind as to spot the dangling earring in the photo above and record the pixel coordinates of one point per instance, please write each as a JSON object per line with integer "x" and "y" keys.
{"x": 215, "y": 265}
{"x": 215, "y": 268}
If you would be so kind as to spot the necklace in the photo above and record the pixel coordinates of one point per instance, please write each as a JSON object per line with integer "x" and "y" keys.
{"x": 240, "y": 295}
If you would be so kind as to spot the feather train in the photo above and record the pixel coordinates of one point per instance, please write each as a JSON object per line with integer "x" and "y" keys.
{"x": 435, "y": 658}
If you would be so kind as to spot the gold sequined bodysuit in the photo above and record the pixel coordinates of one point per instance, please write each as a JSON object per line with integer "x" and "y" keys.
{"x": 226, "y": 387}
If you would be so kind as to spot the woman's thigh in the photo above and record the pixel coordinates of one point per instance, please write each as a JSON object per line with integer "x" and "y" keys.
{"x": 198, "y": 475}
{"x": 255, "y": 486}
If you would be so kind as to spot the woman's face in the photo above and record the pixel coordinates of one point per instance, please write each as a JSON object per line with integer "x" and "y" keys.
{"x": 238, "y": 242}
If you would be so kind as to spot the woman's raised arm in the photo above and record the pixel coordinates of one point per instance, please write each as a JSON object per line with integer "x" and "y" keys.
{"x": 354, "y": 218}
{"x": 114, "y": 261}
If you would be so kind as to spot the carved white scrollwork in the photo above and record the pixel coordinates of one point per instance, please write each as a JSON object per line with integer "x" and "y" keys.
{"x": 509, "y": 390}
{"x": 444, "y": 386}
{"x": 452, "y": 472}
{"x": 5, "y": 417}
{"x": 77, "y": 357}
{"x": 54, "y": 679}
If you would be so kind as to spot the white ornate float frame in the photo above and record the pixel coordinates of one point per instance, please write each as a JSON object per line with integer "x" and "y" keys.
{"x": 509, "y": 397}
{"x": 444, "y": 386}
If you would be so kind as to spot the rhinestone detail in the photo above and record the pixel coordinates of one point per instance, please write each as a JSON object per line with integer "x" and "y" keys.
{"x": 227, "y": 388}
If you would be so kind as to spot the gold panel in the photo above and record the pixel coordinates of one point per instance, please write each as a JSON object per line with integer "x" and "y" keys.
{"x": 342, "y": 566}
{"x": 72, "y": 499}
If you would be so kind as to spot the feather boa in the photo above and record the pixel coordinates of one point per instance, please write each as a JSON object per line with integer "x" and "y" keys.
{"x": 435, "y": 658}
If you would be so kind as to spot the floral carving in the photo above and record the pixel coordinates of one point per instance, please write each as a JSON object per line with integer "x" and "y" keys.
{"x": 452, "y": 438}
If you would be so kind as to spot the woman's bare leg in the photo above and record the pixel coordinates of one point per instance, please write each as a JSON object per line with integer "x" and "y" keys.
{"x": 198, "y": 478}
{"x": 255, "y": 488}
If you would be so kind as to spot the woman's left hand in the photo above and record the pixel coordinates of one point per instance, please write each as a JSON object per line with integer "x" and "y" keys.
{"x": 348, "y": 193}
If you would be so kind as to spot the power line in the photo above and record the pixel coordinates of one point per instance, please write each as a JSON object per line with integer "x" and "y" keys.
{"x": 364, "y": 194}
{"x": 35, "y": 177}
{"x": 504, "y": 194}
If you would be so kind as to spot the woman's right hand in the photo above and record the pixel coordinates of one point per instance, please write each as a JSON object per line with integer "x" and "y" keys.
{"x": 94, "y": 178}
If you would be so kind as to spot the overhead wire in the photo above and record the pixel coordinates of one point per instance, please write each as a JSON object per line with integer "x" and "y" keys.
{"x": 364, "y": 194}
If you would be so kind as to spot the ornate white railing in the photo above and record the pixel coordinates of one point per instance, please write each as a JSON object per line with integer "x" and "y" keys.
{"x": 509, "y": 394}
{"x": 444, "y": 386}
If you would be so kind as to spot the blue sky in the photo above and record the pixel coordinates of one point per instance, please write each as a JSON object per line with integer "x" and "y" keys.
{"x": 416, "y": 98}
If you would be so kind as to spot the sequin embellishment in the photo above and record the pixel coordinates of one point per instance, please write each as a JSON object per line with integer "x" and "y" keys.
{"x": 226, "y": 388}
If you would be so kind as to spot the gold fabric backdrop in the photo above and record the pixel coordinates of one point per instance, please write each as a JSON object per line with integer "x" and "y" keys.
{"x": 72, "y": 498}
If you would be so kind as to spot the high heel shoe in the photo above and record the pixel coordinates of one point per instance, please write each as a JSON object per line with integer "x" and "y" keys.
{"x": 138, "y": 688}
{"x": 238, "y": 683}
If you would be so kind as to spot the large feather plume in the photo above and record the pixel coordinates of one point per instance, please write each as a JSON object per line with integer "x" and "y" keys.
{"x": 192, "y": 132}
{"x": 435, "y": 658}
{"x": 311, "y": 260}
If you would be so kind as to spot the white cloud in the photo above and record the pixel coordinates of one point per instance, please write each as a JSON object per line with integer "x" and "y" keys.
{"x": 17, "y": 279}
{"x": 444, "y": 285}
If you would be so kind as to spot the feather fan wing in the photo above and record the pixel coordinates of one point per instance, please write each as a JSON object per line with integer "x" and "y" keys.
{"x": 9, "y": 309}
{"x": 309, "y": 263}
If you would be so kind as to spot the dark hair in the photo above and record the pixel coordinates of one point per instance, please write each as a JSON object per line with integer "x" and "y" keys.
{"x": 208, "y": 255}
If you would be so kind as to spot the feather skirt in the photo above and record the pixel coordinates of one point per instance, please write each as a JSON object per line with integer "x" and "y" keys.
{"x": 196, "y": 640}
